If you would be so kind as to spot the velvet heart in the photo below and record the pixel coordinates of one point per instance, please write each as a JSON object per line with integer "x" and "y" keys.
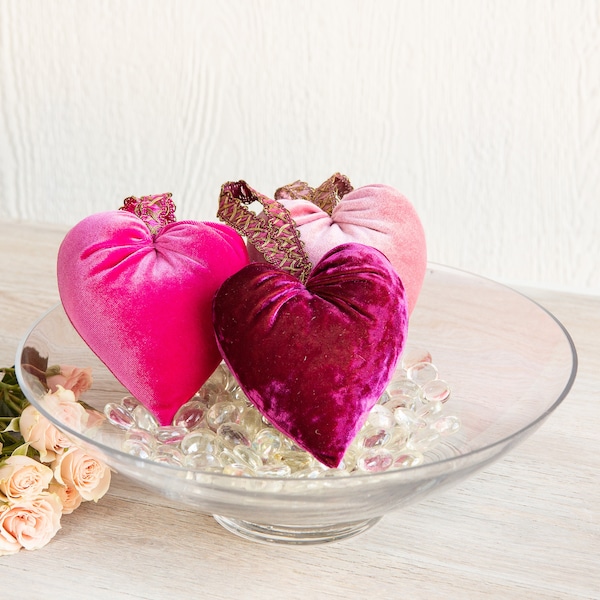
{"x": 142, "y": 301}
{"x": 314, "y": 358}
{"x": 375, "y": 215}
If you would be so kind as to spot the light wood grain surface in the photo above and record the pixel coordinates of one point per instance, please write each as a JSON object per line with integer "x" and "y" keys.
{"x": 526, "y": 527}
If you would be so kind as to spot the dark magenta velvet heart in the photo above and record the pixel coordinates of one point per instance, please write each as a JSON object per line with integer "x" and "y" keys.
{"x": 143, "y": 302}
{"x": 314, "y": 358}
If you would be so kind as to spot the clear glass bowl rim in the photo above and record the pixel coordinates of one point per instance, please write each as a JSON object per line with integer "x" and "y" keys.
{"x": 355, "y": 477}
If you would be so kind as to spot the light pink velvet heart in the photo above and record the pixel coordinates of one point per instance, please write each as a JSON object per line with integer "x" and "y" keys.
{"x": 374, "y": 215}
{"x": 143, "y": 301}
{"x": 314, "y": 358}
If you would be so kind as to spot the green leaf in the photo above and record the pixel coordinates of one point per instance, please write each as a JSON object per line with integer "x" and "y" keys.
{"x": 12, "y": 426}
{"x": 22, "y": 450}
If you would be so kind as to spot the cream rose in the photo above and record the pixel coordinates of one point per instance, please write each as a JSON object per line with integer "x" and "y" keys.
{"x": 70, "y": 378}
{"x": 8, "y": 543}
{"x": 62, "y": 404}
{"x": 42, "y": 435}
{"x": 22, "y": 477}
{"x": 88, "y": 475}
{"x": 29, "y": 524}
{"x": 69, "y": 496}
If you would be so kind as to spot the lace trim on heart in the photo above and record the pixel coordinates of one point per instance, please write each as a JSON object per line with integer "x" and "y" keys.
{"x": 326, "y": 196}
{"x": 156, "y": 211}
{"x": 275, "y": 235}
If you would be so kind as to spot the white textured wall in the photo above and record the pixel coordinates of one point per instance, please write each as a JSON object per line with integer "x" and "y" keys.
{"x": 486, "y": 113}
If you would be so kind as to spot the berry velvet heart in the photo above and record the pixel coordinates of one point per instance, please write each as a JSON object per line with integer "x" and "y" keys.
{"x": 373, "y": 215}
{"x": 142, "y": 301}
{"x": 314, "y": 358}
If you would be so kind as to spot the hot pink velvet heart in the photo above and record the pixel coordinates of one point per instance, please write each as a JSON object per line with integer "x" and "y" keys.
{"x": 143, "y": 302}
{"x": 375, "y": 215}
{"x": 314, "y": 358}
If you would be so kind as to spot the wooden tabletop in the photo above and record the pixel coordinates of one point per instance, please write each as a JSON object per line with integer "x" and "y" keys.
{"x": 526, "y": 527}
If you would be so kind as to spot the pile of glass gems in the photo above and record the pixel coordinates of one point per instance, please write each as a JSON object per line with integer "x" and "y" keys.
{"x": 219, "y": 430}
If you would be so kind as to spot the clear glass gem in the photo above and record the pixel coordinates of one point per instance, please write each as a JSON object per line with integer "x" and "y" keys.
{"x": 129, "y": 403}
{"x": 294, "y": 459}
{"x": 199, "y": 441}
{"x": 399, "y": 437}
{"x": 227, "y": 457}
{"x": 375, "y": 460}
{"x": 403, "y": 387}
{"x": 118, "y": 415}
{"x": 247, "y": 456}
{"x": 407, "y": 418}
{"x": 372, "y": 437}
{"x": 422, "y": 373}
{"x": 447, "y": 425}
{"x": 222, "y": 380}
{"x": 169, "y": 455}
{"x": 401, "y": 401}
{"x": 429, "y": 410}
{"x": 144, "y": 419}
{"x": 435, "y": 391}
{"x": 408, "y": 460}
{"x": 170, "y": 434}
{"x": 136, "y": 434}
{"x": 190, "y": 414}
{"x": 137, "y": 448}
{"x": 266, "y": 442}
{"x": 381, "y": 417}
{"x": 232, "y": 434}
{"x": 222, "y": 412}
{"x": 251, "y": 421}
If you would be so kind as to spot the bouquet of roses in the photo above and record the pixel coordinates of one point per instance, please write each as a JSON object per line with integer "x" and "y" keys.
{"x": 43, "y": 475}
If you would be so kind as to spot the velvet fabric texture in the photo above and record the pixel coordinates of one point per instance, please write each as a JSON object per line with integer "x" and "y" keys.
{"x": 143, "y": 302}
{"x": 374, "y": 215}
{"x": 314, "y": 358}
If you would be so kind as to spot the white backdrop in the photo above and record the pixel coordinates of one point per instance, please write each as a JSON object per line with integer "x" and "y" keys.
{"x": 485, "y": 113}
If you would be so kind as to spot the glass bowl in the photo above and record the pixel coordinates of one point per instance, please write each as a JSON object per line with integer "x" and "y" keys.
{"x": 508, "y": 361}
